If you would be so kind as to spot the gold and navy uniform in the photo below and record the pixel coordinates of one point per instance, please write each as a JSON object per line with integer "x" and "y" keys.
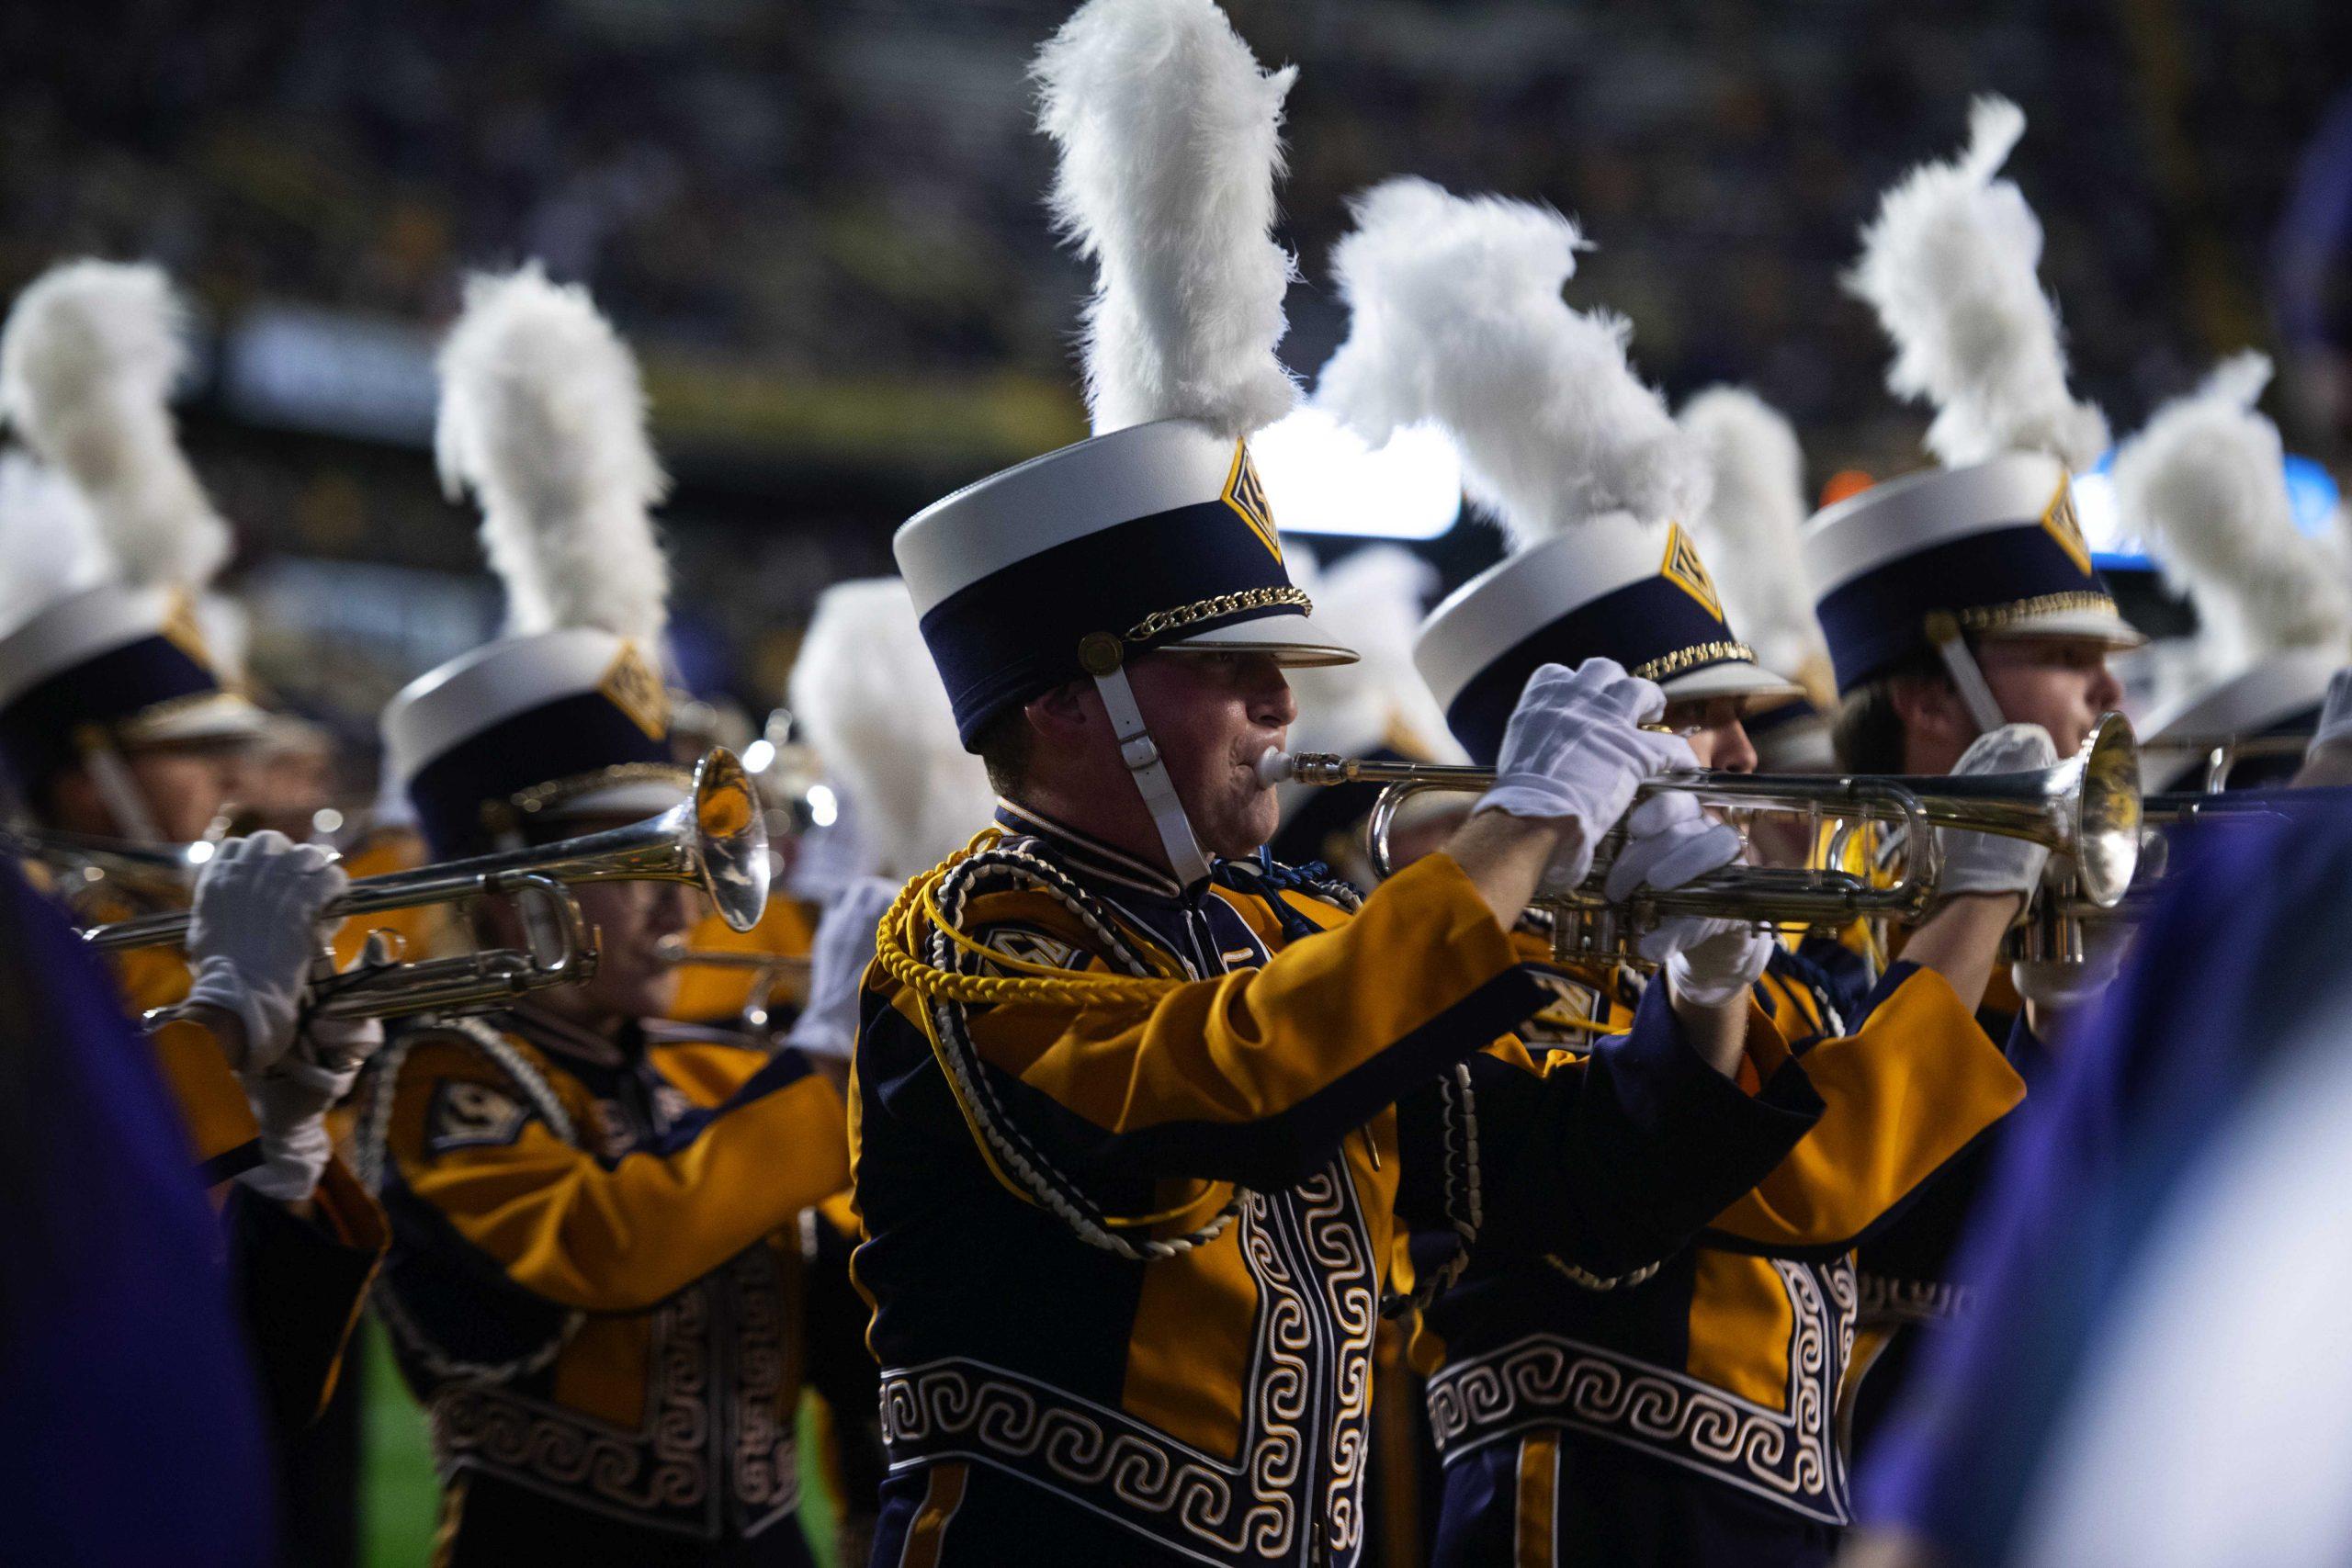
{"x": 596, "y": 1284}
{"x": 710, "y": 993}
{"x": 1689, "y": 1416}
{"x": 1059, "y": 1387}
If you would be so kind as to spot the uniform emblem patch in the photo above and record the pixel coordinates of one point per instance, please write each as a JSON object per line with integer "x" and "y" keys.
{"x": 1683, "y": 568}
{"x": 2061, "y": 523}
{"x": 1571, "y": 1003}
{"x": 1247, "y": 496}
{"x": 467, "y": 1115}
{"x": 633, "y": 686}
{"x": 1027, "y": 944}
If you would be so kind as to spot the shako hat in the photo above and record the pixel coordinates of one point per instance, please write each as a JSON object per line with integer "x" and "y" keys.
{"x": 1456, "y": 318}
{"x": 106, "y": 538}
{"x": 1987, "y": 546}
{"x": 543, "y": 419}
{"x": 2205, "y": 485}
{"x": 1154, "y": 534}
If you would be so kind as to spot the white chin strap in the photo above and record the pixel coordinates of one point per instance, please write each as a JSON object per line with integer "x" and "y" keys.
{"x": 1960, "y": 664}
{"x": 1142, "y": 758}
{"x": 124, "y": 802}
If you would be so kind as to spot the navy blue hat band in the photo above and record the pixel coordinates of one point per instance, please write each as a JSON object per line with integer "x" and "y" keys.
{"x": 1880, "y": 617}
{"x": 1645, "y": 624}
{"x": 39, "y": 731}
{"x": 584, "y": 733}
{"x": 1014, "y": 633}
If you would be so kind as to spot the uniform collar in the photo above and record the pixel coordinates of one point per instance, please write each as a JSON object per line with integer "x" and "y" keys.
{"x": 1090, "y": 856}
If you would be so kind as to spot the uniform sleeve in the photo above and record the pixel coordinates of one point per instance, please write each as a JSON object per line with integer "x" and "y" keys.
{"x": 1610, "y": 1162}
{"x": 1901, "y": 1097}
{"x": 1248, "y": 1077}
{"x": 617, "y": 1236}
{"x": 300, "y": 1283}
{"x": 841, "y": 1369}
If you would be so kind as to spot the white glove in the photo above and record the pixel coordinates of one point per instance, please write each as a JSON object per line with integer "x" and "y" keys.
{"x": 2061, "y": 988}
{"x": 1575, "y": 749}
{"x": 826, "y": 1027}
{"x": 291, "y": 1100}
{"x": 254, "y": 932}
{"x": 1708, "y": 962}
{"x": 1668, "y": 841}
{"x": 1987, "y": 862}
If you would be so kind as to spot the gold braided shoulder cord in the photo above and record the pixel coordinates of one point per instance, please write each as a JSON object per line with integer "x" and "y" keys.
{"x": 931, "y": 903}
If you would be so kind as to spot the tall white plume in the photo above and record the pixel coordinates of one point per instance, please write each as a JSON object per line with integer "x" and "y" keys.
{"x": 876, "y": 713}
{"x": 87, "y": 363}
{"x": 1170, "y": 140}
{"x": 1748, "y": 531}
{"x": 543, "y": 419}
{"x": 1949, "y": 263}
{"x": 49, "y": 541}
{"x": 2204, "y": 483}
{"x": 1380, "y": 593}
{"x": 1456, "y": 317}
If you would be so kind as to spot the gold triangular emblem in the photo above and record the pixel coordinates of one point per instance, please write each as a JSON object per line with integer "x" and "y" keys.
{"x": 2065, "y": 526}
{"x": 1247, "y": 495}
{"x": 181, "y": 629}
{"x": 1683, "y": 568}
{"x": 636, "y": 691}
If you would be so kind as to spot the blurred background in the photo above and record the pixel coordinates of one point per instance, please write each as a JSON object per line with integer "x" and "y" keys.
{"x": 820, "y": 226}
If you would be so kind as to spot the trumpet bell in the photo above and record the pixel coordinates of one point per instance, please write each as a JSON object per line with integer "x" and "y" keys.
{"x": 732, "y": 838}
{"x": 2107, "y": 812}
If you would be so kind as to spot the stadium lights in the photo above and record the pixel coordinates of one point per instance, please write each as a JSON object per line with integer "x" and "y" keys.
{"x": 1320, "y": 477}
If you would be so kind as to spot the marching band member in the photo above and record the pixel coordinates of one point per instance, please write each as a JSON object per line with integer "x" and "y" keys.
{"x": 1963, "y": 600}
{"x": 597, "y": 1280}
{"x": 1737, "y": 1343}
{"x": 2205, "y": 485}
{"x": 1124, "y": 1156}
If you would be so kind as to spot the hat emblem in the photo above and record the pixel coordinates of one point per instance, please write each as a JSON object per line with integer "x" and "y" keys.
{"x": 181, "y": 629}
{"x": 1247, "y": 496}
{"x": 1683, "y": 568}
{"x": 2059, "y": 520}
{"x": 631, "y": 686}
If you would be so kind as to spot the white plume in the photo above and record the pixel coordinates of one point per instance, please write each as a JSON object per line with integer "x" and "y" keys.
{"x": 1748, "y": 529}
{"x": 1949, "y": 263}
{"x": 875, "y": 710}
{"x": 543, "y": 419}
{"x": 2204, "y": 483}
{"x": 47, "y": 539}
{"x": 1456, "y": 317}
{"x": 1380, "y": 594}
{"x": 87, "y": 363}
{"x": 1170, "y": 140}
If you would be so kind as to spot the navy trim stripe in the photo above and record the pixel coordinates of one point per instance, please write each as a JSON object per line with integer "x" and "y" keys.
{"x": 578, "y": 734}
{"x": 1880, "y": 617}
{"x": 1014, "y": 633}
{"x": 37, "y": 730}
{"x": 1650, "y": 619}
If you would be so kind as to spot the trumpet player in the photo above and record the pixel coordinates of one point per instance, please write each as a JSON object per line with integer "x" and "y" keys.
{"x": 597, "y": 1285}
{"x": 1734, "y": 1343}
{"x": 1961, "y": 604}
{"x": 1142, "y": 1118}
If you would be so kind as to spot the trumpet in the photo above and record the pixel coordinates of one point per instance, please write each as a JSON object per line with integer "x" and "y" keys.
{"x": 2224, "y": 752}
{"x": 717, "y": 840}
{"x": 2086, "y": 809}
{"x": 767, "y": 970}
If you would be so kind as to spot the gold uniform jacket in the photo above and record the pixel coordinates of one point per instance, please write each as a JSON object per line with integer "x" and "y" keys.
{"x": 1727, "y": 1360}
{"x": 595, "y": 1280}
{"x": 1203, "y": 1381}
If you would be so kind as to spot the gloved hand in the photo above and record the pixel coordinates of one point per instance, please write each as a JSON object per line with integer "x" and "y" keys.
{"x": 2063, "y": 987}
{"x": 253, "y": 934}
{"x": 1575, "y": 750}
{"x": 826, "y": 1027}
{"x": 1669, "y": 841}
{"x": 1709, "y": 962}
{"x": 292, "y": 1097}
{"x": 1987, "y": 862}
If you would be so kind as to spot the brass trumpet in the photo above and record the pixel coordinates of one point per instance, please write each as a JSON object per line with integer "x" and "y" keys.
{"x": 2086, "y": 809}
{"x": 766, "y": 968}
{"x": 2224, "y": 752}
{"x": 717, "y": 840}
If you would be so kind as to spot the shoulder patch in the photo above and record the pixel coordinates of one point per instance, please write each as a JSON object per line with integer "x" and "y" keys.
{"x": 1031, "y": 944}
{"x": 466, "y": 1114}
{"x": 1570, "y": 1003}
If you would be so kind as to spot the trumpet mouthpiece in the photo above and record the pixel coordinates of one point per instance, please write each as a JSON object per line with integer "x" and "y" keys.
{"x": 1276, "y": 767}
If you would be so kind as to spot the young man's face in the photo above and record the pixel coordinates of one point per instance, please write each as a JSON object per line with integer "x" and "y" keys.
{"x": 2061, "y": 684}
{"x": 629, "y": 921}
{"x": 1711, "y": 726}
{"x": 1214, "y": 715}
{"x": 183, "y": 787}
